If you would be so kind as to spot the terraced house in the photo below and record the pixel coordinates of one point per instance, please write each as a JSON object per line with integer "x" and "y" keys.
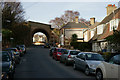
{"x": 105, "y": 29}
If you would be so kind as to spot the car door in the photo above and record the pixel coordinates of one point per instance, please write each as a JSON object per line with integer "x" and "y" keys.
{"x": 63, "y": 55}
{"x": 82, "y": 61}
{"x": 66, "y": 55}
{"x": 112, "y": 68}
{"x": 79, "y": 60}
{"x": 76, "y": 59}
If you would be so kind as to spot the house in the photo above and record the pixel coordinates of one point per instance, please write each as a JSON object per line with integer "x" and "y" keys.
{"x": 105, "y": 29}
{"x": 53, "y": 39}
{"x": 89, "y": 33}
{"x": 72, "y": 28}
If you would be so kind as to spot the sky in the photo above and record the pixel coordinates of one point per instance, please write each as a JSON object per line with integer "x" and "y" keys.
{"x": 43, "y": 12}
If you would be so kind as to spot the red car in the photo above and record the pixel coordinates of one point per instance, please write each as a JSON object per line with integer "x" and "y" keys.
{"x": 58, "y": 52}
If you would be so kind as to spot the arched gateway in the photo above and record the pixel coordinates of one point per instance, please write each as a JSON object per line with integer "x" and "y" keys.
{"x": 39, "y": 27}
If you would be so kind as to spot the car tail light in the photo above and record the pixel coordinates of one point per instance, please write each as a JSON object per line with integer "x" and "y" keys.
{"x": 69, "y": 56}
{"x": 58, "y": 53}
{"x": 16, "y": 50}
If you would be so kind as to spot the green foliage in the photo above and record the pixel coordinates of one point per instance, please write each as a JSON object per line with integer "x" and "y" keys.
{"x": 13, "y": 23}
{"x": 20, "y": 31}
{"x": 74, "y": 38}
{"x": 12, "y": 13}
{"x": 84, "y": 46}
{"x": 6, "y": 34}
{"x": 115, "y": 38}
{"x": 74, "y": 41}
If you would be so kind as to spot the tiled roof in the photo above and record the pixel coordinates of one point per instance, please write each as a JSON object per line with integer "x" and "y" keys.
{"x": 94, "y": 25}
{"x": 109, "y": 17}
{"x": 106, "y": 31}
{"x": 75, "y": 25}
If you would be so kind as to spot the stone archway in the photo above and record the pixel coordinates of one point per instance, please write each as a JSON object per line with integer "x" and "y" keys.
{"x": 39, "y": 27}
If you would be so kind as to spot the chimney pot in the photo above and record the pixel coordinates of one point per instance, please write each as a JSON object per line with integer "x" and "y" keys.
{"x": 92, "y": 20}
{"x": 76, "y": 19}
{"x": 110, "y": 8}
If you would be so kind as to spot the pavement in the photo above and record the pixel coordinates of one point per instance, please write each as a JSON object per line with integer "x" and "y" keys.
{"x": 37, "y": 64}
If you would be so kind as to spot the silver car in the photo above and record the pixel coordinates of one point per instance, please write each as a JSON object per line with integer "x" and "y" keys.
{"x": 109, "y": 70}
{"x": 69, "y": 57}
{"x": 87, "y": 61}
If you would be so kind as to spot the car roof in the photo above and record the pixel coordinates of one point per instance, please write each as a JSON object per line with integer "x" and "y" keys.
{"x": 61, "y": 48}
{"x": 73, "y": 50}
{"x": 88, "y": 53}
{"x": 11, "y": 48}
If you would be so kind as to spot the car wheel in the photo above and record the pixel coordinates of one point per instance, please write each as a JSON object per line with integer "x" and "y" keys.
{"x": 74, "y": 66}
{"x": 87, "y": 71}
{"x": 60, "y": 60}
{"x": 53, "y": 57}
{"x": 99, "y": 75}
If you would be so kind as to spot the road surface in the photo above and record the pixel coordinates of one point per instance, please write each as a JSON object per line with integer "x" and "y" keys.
{"x": 37, "y": 64}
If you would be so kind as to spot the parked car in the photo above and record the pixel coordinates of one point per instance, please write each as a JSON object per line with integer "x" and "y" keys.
{"x": 20, "y": 50}
{"x": 16, "y": 54}
{"x": 23, "y": 48}
{"x": 47, "y": 45}
{"x": 52, "y": 49}
{"x": 11, "y": 52}
{"x": 57, "y": 53}
{"x": 109, "y": 70}
{"x": 87, "y": 61}
{"x": 8, "y": 68}
{"x": 68, "y": 58}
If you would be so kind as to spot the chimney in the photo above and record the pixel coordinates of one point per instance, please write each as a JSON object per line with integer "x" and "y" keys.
{"x": 110, "y": 8}
{"x": 92, "y": 20}
{"x": 76, "y": 19}
{"x": 119, "y": 4}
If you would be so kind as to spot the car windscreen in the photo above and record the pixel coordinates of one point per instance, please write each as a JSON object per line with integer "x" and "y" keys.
{"x": 63, "y": 50}
{"x": 97, "y": 57}
{"x": 117, "y": 59}
{"x": 5, "y": 56}
{"x": 74, "y": 52}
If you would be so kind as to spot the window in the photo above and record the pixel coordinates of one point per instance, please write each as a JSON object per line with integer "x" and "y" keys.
{"x": 114, "y": 24}
{"x": 91, "y": 56}
{"x": 5, "y": 56}
{"x": 74, "y": 52}
{"x": 115, "y": 60}
{"x": 82, "y": 56}
{"x": 100, "y": 28}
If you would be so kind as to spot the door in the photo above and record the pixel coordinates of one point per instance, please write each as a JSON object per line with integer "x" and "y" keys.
{"x": 112, "y": 68}
{"x": 82, "y": 61}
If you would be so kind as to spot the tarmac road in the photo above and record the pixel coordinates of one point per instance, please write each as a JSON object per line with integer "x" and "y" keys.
{"x": 37, "y": 64}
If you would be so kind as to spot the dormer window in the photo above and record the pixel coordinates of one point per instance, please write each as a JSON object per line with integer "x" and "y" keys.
{"x": 114, "y": 24}
{"x": 100, "y": 28}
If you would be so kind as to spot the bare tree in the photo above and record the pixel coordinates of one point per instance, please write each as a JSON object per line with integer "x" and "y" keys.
{"x": 68, "y": 16}
{"x": 12, "y": 13}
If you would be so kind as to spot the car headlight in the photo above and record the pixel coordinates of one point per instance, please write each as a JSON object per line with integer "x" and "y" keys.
{"x": 2, "y": 75}
{"x": 91, "y": 65}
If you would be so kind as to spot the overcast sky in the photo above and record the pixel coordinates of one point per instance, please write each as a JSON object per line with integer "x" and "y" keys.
{"x": 43, "y": 12}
